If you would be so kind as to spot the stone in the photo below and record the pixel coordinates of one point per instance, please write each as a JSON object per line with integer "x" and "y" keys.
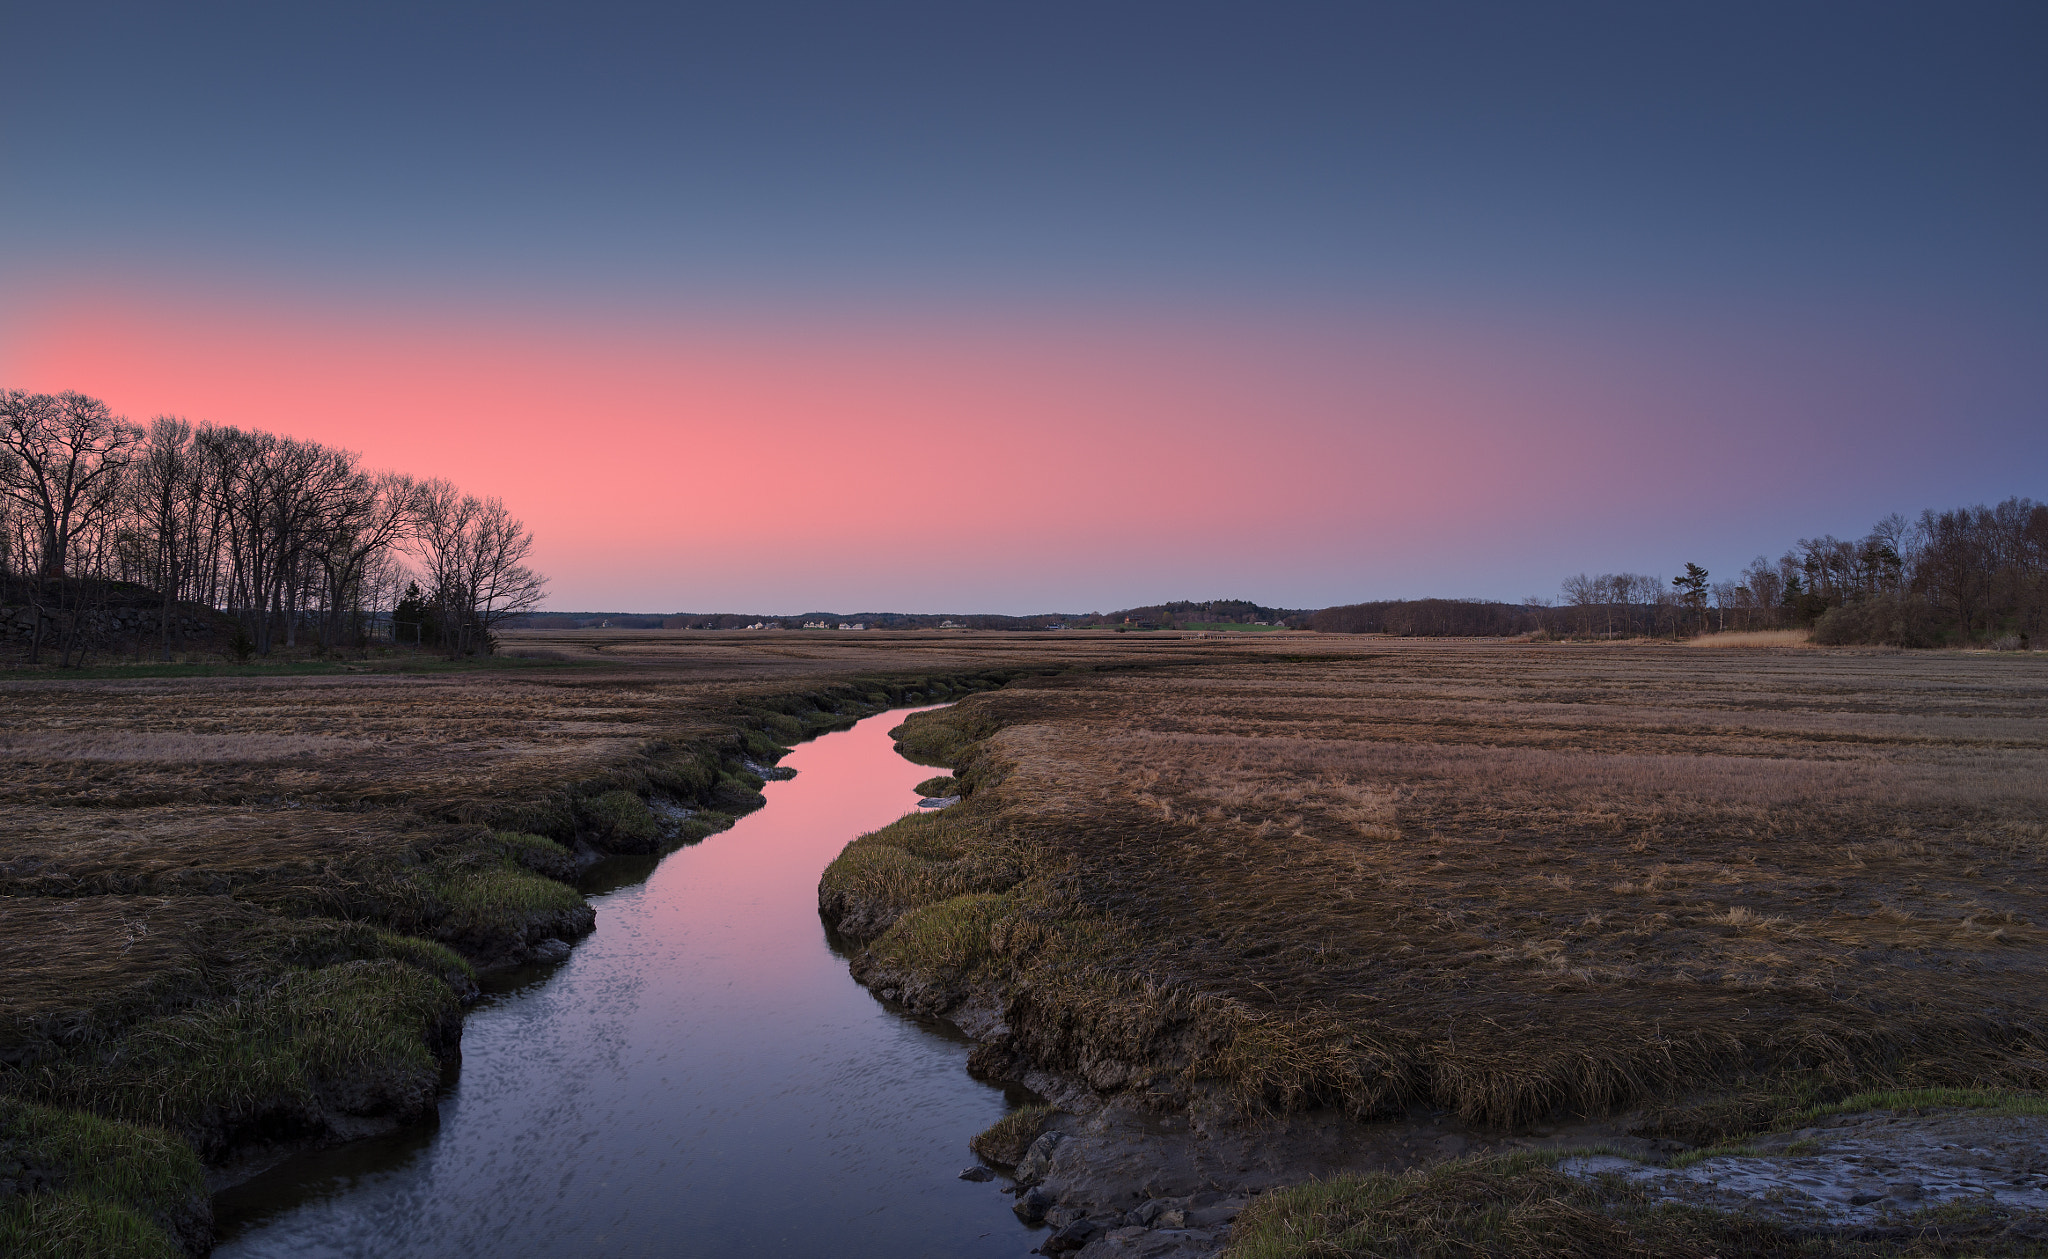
{"x": 551, "y": 951}
{"x": 1038, "y": 1159}
{"x": 1070, "y": 1237}
{"x": 1175, "y": 1218}
{"x": 1210, "y": 1217}
{"x": 1032, "y": 1204}
{"x": 977, "y": 1173}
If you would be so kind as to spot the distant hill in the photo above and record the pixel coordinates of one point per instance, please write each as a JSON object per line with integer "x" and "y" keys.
{"x": 740, "y": 620}
{"x": 1190, "y": 614}
{"x": 1425, "y": 618}
{"x": 1433, "y": 618}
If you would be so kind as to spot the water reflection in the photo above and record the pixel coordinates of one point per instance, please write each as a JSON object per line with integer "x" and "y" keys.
{"x": 701, "y": 1077}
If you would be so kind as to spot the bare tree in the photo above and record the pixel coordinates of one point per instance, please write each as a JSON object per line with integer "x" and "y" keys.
{"x": 474, "y": 554}
{"x": 368, "y": 516}
{"x": 500, "y": 583}
{"x": 66, "y": 457}
{"x": 165, "y": 497}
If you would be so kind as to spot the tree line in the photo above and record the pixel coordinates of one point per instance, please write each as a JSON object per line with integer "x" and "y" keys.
{"x": 294, "y": 540}
{"x": 1963, "y": 576}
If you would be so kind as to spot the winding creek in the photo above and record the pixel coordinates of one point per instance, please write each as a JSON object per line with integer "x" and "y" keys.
{"x": 701, "y": 1077}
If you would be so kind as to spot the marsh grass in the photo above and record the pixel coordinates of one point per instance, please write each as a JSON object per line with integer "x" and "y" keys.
{"x": 228, "y": 895}
{"x": 947, "y": 940}
{"x": 70, "y": 1225}
{"x": 921, "y": 860}
{"x": 2002, "y": 1101}
{"x": 1006, "y": 1141}
{"x": 1511, "y": 881}
{"x": 89, "y": 1186}
{"x": 485, "y": 901}
{"x": 357, "y": 1038}
{"x": 623, "y": 820}
{"x": 537, "y": 853}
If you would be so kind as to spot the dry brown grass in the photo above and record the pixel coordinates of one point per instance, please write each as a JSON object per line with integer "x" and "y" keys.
{"x": 1755, "y": 638}
{"x": 234, "y": 904}
{"x": 1511, "y": 879}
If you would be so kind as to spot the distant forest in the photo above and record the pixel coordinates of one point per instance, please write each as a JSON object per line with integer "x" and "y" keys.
{"x": 206, "y": 536}
{"x": 1964, "y": 576}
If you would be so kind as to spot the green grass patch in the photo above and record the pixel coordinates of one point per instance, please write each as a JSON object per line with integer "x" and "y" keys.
{"x": 622, "y": 820}
{"x": 502, "y": 901}
{"x": 68, "y": 1225}
{"x": 1005, "y": 1141}
{"x": 950, "y": 938}
{"x": 943, "y": 785}
{"x": 358, "y": 1035}
{"x": 919, "y": 860}
{"x": 537, "y": 853}
{"x": 706, "y": 822}
{"x": 1731, "y": 1149}
{"x": 107, "y": 1187}
{"x": 2005, "y": 1101}
{"x": 434, "y": 958}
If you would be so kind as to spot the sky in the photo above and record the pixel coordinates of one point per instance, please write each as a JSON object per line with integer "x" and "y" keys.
{"x": 1057, "y": 306}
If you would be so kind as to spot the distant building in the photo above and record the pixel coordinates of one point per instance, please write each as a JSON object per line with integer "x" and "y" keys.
{"x": 951, "y": 625}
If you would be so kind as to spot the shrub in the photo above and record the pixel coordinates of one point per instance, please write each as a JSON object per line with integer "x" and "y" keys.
{"x": 1879, "y": 621}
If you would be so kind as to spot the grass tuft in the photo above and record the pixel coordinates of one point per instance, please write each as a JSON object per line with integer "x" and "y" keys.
{"x": 1005, "y": 1141}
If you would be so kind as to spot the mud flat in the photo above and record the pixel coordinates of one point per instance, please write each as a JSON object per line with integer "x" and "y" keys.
{"x": 1386, "y": 951}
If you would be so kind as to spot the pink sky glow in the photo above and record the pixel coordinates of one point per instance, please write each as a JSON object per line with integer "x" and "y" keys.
{"x": 1001, "y": 465}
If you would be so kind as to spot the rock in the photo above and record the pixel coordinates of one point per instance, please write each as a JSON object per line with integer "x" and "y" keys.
{"x": 1072, "y": 1237}
{"x": 1038, "y": 1159}
{"x": 551, "y": 951}
{"x": 1210, "y": 1217}
{"x": 1032, "y": 1204}
{"x": 1175, "y": 1218}
{"x": 977, "y": 1173}
{"x": 1147, "y": 1212}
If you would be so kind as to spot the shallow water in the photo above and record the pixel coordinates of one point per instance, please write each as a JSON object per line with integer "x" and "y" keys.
{"x": 701, "y": 1077}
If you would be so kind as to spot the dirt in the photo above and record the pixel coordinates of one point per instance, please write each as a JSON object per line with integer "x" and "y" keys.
{"x": 1878, "y": 1169}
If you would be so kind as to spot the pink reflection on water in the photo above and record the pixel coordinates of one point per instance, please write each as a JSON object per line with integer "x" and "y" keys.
{"x": 752, "y": 890}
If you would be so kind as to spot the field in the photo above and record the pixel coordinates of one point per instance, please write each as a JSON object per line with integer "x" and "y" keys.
{"x": 1695, "y": 890}
{"x": 241, "y": 909}
{"x": 1698, "y": 890}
